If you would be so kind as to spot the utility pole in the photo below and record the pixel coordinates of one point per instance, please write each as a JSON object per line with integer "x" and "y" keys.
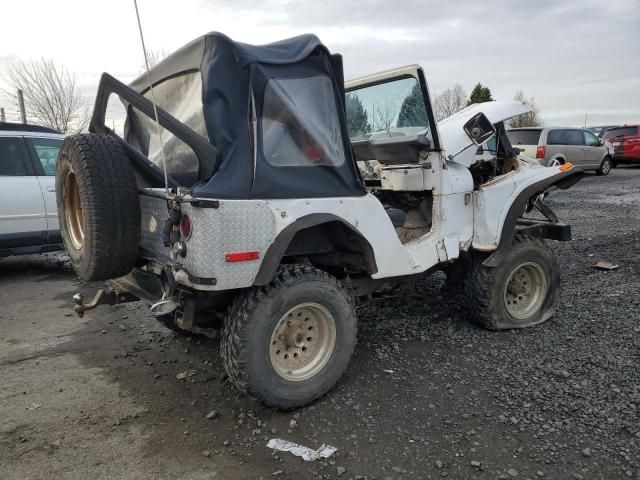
{"x": 23, "y": 114}
{"x": 2, "y": 117}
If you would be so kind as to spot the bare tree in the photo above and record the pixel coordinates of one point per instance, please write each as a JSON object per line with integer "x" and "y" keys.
{"x": 50, "y": 94}
{"x": 384, "y": 117}
{"x": 154, "y": 57}
{"x": 450, "y": 101}
{"x": 531, "y": 119}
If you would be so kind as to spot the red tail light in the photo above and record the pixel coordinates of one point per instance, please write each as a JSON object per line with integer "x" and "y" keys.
{"x": 540, "y": 152}
{"x": 185, "y": 227}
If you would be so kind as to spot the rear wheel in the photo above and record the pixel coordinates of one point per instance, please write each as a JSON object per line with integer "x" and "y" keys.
{"x": 289, "y": 342}
{"x": 523, "y": 290}
{"x": 98, "y": 206}
{"x": 605, "y": 166}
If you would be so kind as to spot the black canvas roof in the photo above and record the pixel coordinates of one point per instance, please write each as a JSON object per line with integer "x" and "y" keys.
{"x": 192, "y": 55}
{"x": 234, "y": 79}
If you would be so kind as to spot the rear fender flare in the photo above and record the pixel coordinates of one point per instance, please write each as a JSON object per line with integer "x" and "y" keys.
{"x": 563, "y": 181}
{"x": 277, "y": 249}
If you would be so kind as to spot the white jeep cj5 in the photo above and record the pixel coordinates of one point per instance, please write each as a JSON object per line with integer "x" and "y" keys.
{"x": 270, "y": 197}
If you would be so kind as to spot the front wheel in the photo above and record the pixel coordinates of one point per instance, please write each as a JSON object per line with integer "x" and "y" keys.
{"x": 289, "y": 342}
{"x": 523, "y": 290}
{"x": 605, "y": 166}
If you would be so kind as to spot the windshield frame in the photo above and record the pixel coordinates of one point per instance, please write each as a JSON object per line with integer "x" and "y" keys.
{"x": 411, "y": 71}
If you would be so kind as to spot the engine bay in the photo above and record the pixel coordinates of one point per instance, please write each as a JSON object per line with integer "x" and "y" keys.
{"x": 396, "y": 170}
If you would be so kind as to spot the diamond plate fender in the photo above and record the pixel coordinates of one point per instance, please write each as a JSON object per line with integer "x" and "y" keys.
{"x": 235, "y": 226}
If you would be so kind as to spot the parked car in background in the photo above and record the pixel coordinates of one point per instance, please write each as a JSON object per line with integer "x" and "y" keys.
{"x": 600, "y": 130}
{"x": 551, "y": 145}
{"x": 626, "y": 143}
{"x": 28, "y": 213}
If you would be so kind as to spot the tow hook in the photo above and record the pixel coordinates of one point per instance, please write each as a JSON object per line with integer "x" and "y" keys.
{"x": 104, "y": 296}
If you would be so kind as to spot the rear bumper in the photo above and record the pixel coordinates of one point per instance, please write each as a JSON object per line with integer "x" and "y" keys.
{"x": 144, "y": 285}
{"x": 137, "y": 285}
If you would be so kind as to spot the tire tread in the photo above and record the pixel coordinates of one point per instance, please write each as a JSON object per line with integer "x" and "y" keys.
{"x": 109, "y": 192}
{"x": 234, "y": 345}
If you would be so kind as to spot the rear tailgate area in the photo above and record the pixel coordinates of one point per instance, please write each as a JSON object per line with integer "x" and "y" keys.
{"x": 526, "y": 140}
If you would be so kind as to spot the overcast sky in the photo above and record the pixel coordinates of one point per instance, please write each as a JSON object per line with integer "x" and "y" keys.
{"x": 574, "y": 57}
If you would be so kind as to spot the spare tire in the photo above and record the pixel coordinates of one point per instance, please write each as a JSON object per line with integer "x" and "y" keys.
{"x": 98, "y": 206}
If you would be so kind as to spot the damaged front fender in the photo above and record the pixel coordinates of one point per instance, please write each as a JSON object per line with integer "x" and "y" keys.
{"x": 512, "y": 219}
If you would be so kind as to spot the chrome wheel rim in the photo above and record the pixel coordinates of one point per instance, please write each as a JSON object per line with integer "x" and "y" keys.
{"x": 302, "y": 342}
{"x": 73, "y": 214}
{"x": 525, "y": 290}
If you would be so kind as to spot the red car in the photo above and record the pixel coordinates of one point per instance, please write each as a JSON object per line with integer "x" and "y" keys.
{"x": 626, "y": 143}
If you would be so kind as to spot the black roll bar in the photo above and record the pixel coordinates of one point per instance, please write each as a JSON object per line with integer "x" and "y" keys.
{"x": 206, "y": 153}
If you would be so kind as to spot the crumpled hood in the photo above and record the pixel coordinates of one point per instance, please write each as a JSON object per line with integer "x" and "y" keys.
{"x": 452, "y": 136}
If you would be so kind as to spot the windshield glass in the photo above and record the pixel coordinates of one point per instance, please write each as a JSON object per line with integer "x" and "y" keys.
{"x": 390, "y": 109}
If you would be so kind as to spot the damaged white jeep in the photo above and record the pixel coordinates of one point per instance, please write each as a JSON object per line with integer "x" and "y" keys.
{"x": 270, "y": 197}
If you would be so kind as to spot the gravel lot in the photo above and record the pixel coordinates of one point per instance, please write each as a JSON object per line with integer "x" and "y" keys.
{"x": 427, "y": 394}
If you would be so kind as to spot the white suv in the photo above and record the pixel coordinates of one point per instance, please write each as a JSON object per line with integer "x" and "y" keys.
{"x": 28, "y": 213}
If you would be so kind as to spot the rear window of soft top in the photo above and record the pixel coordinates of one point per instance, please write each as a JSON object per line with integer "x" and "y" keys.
{"x": 524, "y": 137}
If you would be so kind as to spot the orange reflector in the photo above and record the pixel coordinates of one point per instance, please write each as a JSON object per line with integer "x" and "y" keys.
{"x": 566, "y": 166}
{"x": 241, "y": 256}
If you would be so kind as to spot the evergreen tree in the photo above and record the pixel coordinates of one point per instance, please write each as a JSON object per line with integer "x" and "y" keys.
{"x": 413, "y": 112}
{"x": 480, "y": 94}
{"x": 357, "y": 118}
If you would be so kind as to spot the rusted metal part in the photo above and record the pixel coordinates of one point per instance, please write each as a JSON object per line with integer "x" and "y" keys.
{"x": 104, "y": 296}
{"x": 184, "y": 320}
{"x": 207, "y": 332}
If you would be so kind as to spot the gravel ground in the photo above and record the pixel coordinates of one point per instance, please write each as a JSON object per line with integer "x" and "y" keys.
{"x": 427, "y": 394}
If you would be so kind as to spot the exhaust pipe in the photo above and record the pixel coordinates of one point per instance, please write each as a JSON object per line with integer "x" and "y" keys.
{"x": 163, "y": 307}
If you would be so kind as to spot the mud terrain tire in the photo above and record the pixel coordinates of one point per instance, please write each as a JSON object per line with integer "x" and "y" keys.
{"x": 98, "y": 206}
{"x": 520, "y": 292}
{"x": 262, "y": 317}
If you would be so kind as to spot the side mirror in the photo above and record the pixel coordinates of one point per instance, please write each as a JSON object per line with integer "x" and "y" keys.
{"x": 479, "y": 129}
{"x": 601, "y": 143}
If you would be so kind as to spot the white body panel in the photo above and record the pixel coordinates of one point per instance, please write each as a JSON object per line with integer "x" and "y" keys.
{"x": 48, "y": 186}
{"x": 493, "y": 200}
{"x": 367, "y": 216}
{"x": 455, "y": 140}
{"x": 462, "y": 218}
{"x": 21, "y": 205}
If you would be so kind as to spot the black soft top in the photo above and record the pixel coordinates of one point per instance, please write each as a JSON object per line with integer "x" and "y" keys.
{"x": 272, "y": 111}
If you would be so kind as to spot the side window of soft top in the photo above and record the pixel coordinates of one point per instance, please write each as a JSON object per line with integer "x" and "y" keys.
{"x": 300, "y": 123}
